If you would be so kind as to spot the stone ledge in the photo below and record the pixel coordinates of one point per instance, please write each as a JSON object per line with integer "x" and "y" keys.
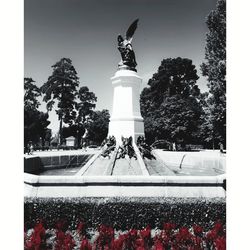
{"x": 128, "y": 179}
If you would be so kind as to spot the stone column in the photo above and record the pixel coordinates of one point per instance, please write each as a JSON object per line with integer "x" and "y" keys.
{"x": 126, "y": 119}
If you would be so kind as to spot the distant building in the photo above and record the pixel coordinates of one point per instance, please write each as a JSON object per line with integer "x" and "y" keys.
{"x": 70, "y": 141}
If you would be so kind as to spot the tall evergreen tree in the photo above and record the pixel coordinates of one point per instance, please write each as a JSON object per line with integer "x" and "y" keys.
{"x": 35, "y": 121}
{"x": 169, "y": 105}
{"x": 214, "y": 68}
{"x": 31, "y": 93}
{"x": 61, "y": 87}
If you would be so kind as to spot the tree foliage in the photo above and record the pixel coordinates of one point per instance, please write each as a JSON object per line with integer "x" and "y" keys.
{"x": 61, "y": 87}
{"x": 35, "y": 121}
{"x": 85, "y": 104}
{"x": 31, "y": 93}
{"x": 170, "y": 105}
{"x": 214, "y": 68}
{"x": 74, "y": 106}
{"x": 98, "y": 127}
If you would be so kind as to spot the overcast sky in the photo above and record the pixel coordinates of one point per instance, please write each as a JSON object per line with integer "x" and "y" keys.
{"x": 86, "y": 32}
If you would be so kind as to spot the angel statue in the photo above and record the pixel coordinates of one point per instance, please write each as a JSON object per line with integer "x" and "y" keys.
{"x": 126, "y": 50}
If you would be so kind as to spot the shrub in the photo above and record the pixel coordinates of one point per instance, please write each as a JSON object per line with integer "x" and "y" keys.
{"x": 116, "y": 212}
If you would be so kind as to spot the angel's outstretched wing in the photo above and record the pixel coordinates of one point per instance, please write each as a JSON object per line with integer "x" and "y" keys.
{"x": 131, "y": 30}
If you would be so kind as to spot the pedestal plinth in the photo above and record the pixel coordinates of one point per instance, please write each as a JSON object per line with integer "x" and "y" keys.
{"x": 126, "y": 119}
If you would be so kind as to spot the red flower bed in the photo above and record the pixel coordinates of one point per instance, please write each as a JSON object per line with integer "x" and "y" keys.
{"x": 170, "y": 237}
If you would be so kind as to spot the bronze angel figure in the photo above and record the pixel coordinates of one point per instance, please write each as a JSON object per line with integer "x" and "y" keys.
{"x": 125, "y": 47}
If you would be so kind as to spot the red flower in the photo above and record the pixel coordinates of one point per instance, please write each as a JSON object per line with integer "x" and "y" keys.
{"x": 117, "y": 244}
{"x": 64, "y": 241}
{"x": 198, "y": 243}
{"x": 168, "y": 238}
{"x": 69, "y": 242}
{"x": 218, "y": 227}
{"x": 85, "y": 245}
{"x": 106, "y": 236}
{"x": 184, "y": 233}
{"x": 139, "y": 243}
{"x": 133, "y": 233}
{"x": 158, "y": 246}
{"x": 80, "y": 229}
{"x": 146, "y": 233}
{"x": 220, "y": 243}
{"x": 211, "y": 235}
{"x": 198, "y": 230}
{"x": 39, "y": 229}
{"x": 37, "y": 238}
{"x": 168, "y": 227}
{"x": 183, "y": 238}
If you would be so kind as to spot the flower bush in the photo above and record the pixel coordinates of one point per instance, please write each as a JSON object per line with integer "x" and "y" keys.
{"x": 37, "y": 239}
{"x": 169, "y": 237}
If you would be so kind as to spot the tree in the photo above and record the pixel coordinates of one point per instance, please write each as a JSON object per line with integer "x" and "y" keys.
{"x": 170, "y": 105}
{"x": 98, "y": 127}
{"x": 62, "y": 87}
{"x": 47, "y": 136}
{"x": 85, "y": 107}
{"x": 31, "y": 93}
{"x": 35, "y": 121}
{"x": 214, "y": 68}
{"x": 85, "y": 104}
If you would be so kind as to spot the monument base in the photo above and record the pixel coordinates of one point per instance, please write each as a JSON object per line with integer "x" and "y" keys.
{"x": 126, "y": 127}
{"x": 126, "y": 119}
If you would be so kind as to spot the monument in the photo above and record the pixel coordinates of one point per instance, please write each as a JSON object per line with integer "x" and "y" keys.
{"x": 126, "y": 119}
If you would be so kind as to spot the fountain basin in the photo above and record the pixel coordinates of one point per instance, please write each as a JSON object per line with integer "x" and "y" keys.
{"x": 64, "y": 164}
{"x": 95, "y": 179}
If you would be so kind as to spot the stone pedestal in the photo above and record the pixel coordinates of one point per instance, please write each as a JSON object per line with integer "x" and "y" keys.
{"x": 126, "y": 119}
